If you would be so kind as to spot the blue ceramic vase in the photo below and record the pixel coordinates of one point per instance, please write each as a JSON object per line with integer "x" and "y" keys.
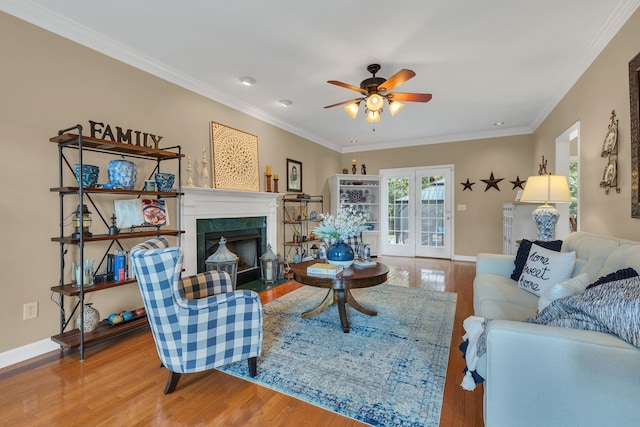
{"x": 340, "y": 253}
{"x": 122, "y": 174}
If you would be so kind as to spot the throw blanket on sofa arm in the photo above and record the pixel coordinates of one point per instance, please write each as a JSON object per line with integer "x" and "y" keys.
{"x": 612, "y": 308}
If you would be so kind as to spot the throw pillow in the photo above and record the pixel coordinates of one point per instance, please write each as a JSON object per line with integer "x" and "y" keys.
{"x": 573, "y": 286}
{"x": 544, "y": 268}
{"x": 523, "y": 253}
{"x": 624, "y": 273}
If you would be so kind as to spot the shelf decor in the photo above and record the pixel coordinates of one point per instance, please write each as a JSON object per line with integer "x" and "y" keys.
{"x": 235, "y": 158}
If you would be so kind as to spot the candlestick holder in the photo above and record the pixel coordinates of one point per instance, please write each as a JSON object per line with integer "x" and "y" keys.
{"x": 268, "y": 183}
{"x": 275, "y": 185}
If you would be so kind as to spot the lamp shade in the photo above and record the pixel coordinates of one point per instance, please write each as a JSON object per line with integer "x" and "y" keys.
{"x": 374, "y": 102}
{"x": 546, "y": 189}
{"x": 373, "y": 116}
{"x": 352, "y": 109}
{"x": 395, "y": 106}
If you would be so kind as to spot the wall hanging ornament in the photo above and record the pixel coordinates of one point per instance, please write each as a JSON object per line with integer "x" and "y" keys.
{"x": 235, "y": 158}
{"x": 517, "y": 183}
{"x": 542, "y": 167}
{"x": 467, "y": 185}
{"x": 610, "y": 151}
{"x": 492, "y": 182}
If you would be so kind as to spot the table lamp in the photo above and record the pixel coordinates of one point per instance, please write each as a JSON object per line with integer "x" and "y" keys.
{"x": 546, "y": 189}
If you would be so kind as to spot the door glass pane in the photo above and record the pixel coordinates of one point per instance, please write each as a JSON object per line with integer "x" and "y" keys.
{"x": 398, "y": 208}
{"x": 432, "y": 212}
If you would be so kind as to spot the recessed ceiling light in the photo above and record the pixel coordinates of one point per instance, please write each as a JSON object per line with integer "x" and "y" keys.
{"x": 285, "y": 102}
{"x": 354, "y": 141}
{"x": 247, "y": 80}
{"x": 498, "y": 123}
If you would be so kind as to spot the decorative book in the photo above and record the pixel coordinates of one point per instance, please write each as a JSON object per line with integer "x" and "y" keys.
{"x": 324, "y": 269}
{"x": 141, "y": 213}
{"x": 363, "y": 263}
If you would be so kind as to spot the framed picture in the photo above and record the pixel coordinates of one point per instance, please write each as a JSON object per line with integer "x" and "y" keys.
{"x": 294, "y": 175}
{"x": 634, "y": 98}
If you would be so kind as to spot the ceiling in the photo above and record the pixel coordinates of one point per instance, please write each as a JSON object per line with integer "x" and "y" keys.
{"x": 484, "y": 61}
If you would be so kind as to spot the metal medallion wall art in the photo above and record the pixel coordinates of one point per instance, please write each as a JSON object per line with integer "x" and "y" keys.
{"x": 610, "y": 152}
{"x": 235, "y": 159}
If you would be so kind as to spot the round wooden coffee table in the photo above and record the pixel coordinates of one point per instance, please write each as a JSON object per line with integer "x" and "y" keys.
{"x": 340, "y": 287}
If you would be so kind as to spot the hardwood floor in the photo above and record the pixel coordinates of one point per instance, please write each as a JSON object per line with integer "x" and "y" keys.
{"x": 120, "y": 382}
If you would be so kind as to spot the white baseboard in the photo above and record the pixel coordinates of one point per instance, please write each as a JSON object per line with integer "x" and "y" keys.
{"x": 20, "y": 354}
{"x": 464, "y": 258}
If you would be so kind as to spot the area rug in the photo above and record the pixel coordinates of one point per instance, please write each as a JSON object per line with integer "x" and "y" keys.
{"x": 389, "y": 370}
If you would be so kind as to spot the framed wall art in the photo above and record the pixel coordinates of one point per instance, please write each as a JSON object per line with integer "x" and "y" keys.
{"x": 294, "y": 175}
{"x": 634, "y": 98}
{"x": 235, "y": 159}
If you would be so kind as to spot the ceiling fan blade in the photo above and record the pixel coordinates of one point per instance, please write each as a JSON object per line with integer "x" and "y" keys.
{"x": 344, "y": 102}
{"x": 348, "y": 86}
{"x": 396, "y": 80}
{"x": 410, "y": 97}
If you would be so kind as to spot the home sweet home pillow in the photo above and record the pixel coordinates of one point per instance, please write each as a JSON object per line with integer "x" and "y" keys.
{"x": 544, "y": 268}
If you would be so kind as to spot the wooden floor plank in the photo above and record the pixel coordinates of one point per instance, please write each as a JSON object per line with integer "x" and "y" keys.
{"x": 120, "y": 382}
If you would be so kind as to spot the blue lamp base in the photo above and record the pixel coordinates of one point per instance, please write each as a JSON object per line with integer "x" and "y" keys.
{"x": 546, "y": 217}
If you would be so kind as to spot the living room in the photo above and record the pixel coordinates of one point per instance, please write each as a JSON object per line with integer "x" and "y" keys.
{"x": 50, "y": 83}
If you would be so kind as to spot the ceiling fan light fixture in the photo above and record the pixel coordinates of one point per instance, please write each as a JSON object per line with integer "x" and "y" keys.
{"x": 373, "y": 116}
{"x": 374, "y": 102}
{"x": 395, "y": 106}
{"x": 352, "y": 109}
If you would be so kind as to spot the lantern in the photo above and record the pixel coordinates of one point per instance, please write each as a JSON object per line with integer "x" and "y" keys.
{"x": 269, "y": 266}
{"x": 81, "y": 222}
{"x": 224, "y": 260}
{"x": 314, "y": 251}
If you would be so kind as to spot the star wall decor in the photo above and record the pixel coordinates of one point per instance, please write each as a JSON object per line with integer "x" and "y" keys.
{"x": 518, "y": 183}
{"x": 492, "y": 182}
{"x": 467, "y": 185}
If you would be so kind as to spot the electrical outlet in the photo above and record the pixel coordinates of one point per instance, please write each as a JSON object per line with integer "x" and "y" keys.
{"x": 30, "y": 310}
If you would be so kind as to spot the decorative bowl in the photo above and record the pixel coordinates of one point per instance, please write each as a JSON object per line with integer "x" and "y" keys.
{"x": 164, "y": 181}
{"x": 89, "y": 175}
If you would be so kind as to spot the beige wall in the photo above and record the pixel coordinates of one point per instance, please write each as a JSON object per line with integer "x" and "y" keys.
{"x": 602, "y": 88}
{"x": 48, "y": 83}
{"x": 479, "y": 228}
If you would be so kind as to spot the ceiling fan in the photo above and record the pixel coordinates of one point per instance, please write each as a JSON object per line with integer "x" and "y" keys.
{"x": 376, "y": 90}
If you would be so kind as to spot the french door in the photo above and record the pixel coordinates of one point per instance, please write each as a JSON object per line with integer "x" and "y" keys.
{"x": 417, "y": 211}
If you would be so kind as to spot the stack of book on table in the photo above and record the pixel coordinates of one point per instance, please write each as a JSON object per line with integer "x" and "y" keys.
{"x": 321, "y": 269}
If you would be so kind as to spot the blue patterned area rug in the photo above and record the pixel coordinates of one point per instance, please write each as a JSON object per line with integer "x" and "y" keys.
{"x": 389, "y": 370}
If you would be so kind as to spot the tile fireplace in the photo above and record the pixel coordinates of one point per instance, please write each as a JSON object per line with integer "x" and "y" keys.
{"x": 208, "y": 213}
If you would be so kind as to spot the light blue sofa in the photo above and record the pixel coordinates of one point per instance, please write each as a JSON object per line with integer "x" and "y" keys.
{"x": 537, "y": 375}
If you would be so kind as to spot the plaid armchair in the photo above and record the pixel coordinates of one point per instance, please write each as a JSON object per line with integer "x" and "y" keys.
{"x": 198, "y": 322}
{"x": 360, "y": 248}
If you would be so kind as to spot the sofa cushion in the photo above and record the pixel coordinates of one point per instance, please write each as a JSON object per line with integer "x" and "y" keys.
{"x": 544, "y": 268}
{"x": 498, "y": 297}
{"x": 625, "y": 255}
{"x": 569, "y": 287}
{"x": 591, "y": 253}
{"x": 523, "y": 253}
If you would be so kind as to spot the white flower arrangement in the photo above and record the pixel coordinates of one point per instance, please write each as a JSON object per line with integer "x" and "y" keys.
{"x": 347, "y": 222}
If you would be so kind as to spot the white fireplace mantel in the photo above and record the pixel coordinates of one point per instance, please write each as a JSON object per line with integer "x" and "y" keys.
{"x": 209, "y": 203}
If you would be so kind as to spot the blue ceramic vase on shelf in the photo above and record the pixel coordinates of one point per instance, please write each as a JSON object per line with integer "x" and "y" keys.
{"x": 340, "y": 253}
{"x": 122, "y": 173}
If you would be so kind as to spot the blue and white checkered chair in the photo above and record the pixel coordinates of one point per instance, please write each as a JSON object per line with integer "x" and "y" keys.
{"x": 360, "y": 248}
{"x": 198, "y": 322}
